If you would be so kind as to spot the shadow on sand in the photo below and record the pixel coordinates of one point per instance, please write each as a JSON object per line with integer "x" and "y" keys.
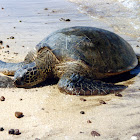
{"x": 124, "y": 76}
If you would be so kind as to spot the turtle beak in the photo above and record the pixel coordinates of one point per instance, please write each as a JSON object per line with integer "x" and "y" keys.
{"x": 19, "y": 77}
{"x": 27, "y": 76}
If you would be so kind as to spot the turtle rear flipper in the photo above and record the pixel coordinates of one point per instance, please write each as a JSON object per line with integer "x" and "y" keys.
{"x": 80, "y": 85}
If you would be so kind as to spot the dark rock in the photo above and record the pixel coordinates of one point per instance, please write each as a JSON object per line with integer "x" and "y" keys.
{"x": 67, "y": 20}
{"x": 7, "y": 52}
{"x": 19, "y": 114}
{"x": 15, "y": 53}
{"x": 2, "y": 98}
{"x": 45, "y": 8}
{"x": 102, "y": 102}
{"x": 82, "y": 99}
{"x": 118, "y": 94}
{"x": 11, "y": 131}
{"x": 62, "y": 19}
{"x": 89, "y": 121}
{"x": 1, "y": 129}
{"x": 17, "y": 132}
{"x": 7, "y": 46}
{"x": 95, "y": 134}
{"x": 82, "y": 112}
{"x": 12, "y": 37}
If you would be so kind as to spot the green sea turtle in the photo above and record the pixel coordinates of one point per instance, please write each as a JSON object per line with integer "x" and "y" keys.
{"x": 79, "y": 56}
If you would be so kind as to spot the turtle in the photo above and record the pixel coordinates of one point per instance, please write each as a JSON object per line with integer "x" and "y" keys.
{"x": 80, "y": 57}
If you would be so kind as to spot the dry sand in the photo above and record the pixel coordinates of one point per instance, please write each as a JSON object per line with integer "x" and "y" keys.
{"x": 49, "y": 114}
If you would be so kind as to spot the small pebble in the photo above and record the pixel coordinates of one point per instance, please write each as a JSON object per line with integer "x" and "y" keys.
{"x": 82, "y": 99}
{"x": 62, "y": 19}
{"x": 89, "y": 121}
{"x": 15, "y": 53}
{"x": 95, "y": 134}
{"x": 11, "y": 131}
{"x": 17, "y": 132}
{"x": 1, "y": 42}
{"x": 82, "y": 112}
{"x": 18, "y": 114}
{"x": 118, "y": 94}
{"x": 2, "y": 8}
{"x": 7, "y": 52}
{"x": 45, "y": 8}
{"x": 37, "y": 139}
{"x": 137, "y": 46}
{"x": 102, "y": 102}
{"x": 7, "y": 46}
{"x": 67, "y": 20}
{"x": 2, "y": 98}
{"x": 53, "y": 11}
{"x": 12, "y": 37}
{"x": 1, "y": 129}
{"x": 20, "y": 99}
{"x": 20, "y": 21}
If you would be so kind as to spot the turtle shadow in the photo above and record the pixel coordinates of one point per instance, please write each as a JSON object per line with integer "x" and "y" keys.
{"x": 47, "y": 82}
{"x": 124, "y": 76}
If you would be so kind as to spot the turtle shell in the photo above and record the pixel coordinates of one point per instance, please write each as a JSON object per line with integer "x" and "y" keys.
{"x": 102, "y": 50}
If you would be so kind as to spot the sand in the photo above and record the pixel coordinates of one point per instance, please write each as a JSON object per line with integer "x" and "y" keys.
{"x": 48, "y": 113}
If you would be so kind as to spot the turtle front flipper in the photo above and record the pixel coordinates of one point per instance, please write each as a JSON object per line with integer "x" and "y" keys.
{"x": 80, "y": 85}
{"x": 9, "y": 68}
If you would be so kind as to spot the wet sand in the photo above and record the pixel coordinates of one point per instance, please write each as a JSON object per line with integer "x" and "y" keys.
{"x": 48, "y": 113}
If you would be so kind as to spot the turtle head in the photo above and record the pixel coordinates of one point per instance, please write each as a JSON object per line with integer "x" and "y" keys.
{"x": 27, "y": 76}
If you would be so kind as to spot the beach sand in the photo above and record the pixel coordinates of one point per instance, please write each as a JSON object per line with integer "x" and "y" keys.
{"x": 48, "y": 113}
